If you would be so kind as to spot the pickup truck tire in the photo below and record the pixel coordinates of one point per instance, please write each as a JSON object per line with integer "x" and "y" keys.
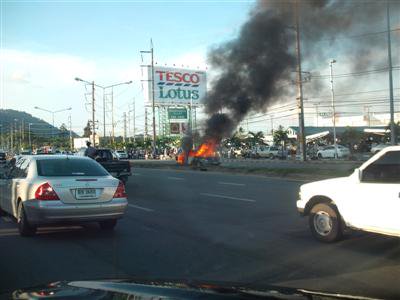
{"x": 325, "y": 223}
{"x": 108, "y": 225}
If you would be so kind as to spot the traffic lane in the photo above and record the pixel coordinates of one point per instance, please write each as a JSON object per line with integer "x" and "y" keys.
{"x": 200, "y": 198}
{"x": 175, "y": 185}
{"x": 289, "y": 243}
{"x": 219, "y": 242}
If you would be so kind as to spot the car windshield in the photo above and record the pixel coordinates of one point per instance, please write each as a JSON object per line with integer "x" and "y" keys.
{"x": 240, "y": 142}
{"x": 69, "y": 167}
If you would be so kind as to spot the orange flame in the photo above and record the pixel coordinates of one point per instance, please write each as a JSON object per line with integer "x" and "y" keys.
{"x": 207, "y": 149}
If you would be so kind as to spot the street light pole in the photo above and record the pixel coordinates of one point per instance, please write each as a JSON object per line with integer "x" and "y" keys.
{"x": 333, "y": 106}
{"x": 53, "y": 112}
{"x": 29, "y": 136}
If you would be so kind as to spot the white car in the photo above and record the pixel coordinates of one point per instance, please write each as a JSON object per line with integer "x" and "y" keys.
{"x": 52, "y": 189}
{"x": 367, "y": 200}
{"x": 378, "y": 147}
{"x": 265, "y": 151}
{"x": 121, "y": 154}
{"x": 329, "y": 152}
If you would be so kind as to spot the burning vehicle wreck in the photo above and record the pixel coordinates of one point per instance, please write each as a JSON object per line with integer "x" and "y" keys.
{"x": 205, "y": 155}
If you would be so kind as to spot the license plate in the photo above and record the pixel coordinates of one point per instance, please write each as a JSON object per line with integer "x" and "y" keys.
{"x": 85, "y": 193}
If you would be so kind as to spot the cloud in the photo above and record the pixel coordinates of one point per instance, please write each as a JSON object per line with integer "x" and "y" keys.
{"x": 19, "y": 76}
{"x": 44, "y": 69}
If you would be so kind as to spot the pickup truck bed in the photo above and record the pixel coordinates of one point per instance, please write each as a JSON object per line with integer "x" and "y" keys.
{"x": 120, "y": 169}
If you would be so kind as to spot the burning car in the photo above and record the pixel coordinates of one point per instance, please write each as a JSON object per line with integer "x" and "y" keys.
{"x": 206, "y": 154}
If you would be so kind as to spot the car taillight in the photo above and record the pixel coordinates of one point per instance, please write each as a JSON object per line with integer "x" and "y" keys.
{"x": 120, "y": 192}
{"x": 46, "y": 192}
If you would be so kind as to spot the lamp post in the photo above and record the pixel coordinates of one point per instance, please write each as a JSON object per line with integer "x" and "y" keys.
{"x": 333, "y": 105}
{"x": 53, "y": 112}
{"x": 29, "y": 135}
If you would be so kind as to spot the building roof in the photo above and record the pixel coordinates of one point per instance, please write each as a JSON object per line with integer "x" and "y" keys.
{"x": 310, "y": 130}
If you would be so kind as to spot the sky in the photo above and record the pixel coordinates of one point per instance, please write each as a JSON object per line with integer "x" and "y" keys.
{"x": 46, "y": 44}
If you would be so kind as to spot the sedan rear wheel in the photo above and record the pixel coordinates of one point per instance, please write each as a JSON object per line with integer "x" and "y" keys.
{"x": 24, "y": 228}
{"x": 108, "y": 224}
{"x": 324, "y": 222}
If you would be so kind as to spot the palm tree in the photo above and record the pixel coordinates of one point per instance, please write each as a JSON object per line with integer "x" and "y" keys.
{"x": 255, "y": 138}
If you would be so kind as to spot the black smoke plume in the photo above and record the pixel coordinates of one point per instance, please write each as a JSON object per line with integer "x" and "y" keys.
{"x": 255, "y": 70}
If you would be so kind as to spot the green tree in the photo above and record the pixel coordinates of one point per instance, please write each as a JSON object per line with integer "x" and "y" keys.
{"x": 350, "y": 137}
{"x": 281, "y": 136}
{"x": 255, "y": 138}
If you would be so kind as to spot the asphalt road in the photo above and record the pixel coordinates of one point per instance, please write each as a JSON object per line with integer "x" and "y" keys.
{"x": 206, "y": 226}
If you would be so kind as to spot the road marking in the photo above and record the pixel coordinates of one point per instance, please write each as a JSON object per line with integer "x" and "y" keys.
{"x": 136, "y": 174}
{"x": 227, "y": 197}
{"x": 141, "y": 207}
{"x": 231, "y": 183}
{"x": 176, "y": 178}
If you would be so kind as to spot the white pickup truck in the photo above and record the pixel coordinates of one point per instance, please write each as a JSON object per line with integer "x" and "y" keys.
{"x": 367, "y": 200}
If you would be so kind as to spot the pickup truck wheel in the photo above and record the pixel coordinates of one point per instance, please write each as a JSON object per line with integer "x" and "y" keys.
{"x": 324, "y": 222}
{"x": 24, "y": 228}
{"x": 108, "y": 225}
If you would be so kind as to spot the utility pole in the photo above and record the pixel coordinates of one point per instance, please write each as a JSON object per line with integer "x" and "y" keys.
{"x": 152, "y": 96}
{"x": 124, "y": 127}
{"x": 1, "y": 137}
{"x": 23, "y": 131}
{"x": 93, "y": 117}
{"x": 104, "y": 116}
{"x": 11, "y": 138}
{"x": 134, "y": 120}
{"x": 112, "y": 116}
{"x": 393, "y": 135}
{"x": 70, "y": 132}
{"x": 316, "y": 110}
{"x": 151, "y": 52}
{"x": 333, "y": 106}
{"x": 302, "y": 139}
{"x": 20, "y": 135}
{"x": 145, "y": 124}
{"x": 129, "y": 125}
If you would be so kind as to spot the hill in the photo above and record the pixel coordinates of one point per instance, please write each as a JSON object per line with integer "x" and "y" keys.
{"x": 17, "y": 120}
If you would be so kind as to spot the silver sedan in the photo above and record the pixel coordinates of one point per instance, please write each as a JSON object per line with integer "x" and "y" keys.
{"x": 52, "y": 189}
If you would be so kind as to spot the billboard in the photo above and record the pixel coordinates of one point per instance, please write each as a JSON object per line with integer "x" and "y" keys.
{"x": 177, "y": 113}
{"x": 176, "y": 86}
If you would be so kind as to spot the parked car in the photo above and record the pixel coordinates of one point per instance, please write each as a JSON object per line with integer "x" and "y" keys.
{"x": 52, "y": 189}
{"x": 265, "y": 151}
{"x": 329, "y": 152}
{"x": 367, "y": 200}
{"x": 378, "y": 147}
{"x": 121, "y": 154}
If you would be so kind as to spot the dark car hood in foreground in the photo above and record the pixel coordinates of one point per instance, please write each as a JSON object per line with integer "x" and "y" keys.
{"x": 135, "y": 289}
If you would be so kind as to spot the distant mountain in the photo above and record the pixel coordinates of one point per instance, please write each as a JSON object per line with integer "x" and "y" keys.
{"x": 10, "y": 118}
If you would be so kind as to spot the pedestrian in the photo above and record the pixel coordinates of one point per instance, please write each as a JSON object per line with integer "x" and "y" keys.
{"x": 90, "y": 151}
